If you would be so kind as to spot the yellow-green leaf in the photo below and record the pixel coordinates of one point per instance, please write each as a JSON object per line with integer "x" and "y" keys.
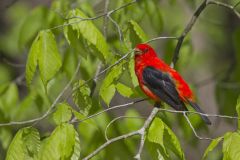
{"x": 107, "y": 89}
{"x": 43, "y": 53}
{"x": 211, "y": 146}
{"x": 49, "y": 59}
{"x": 87, "y": 30}
{"x": 62, "y": 114}
{"x": 25, "y": 145}
{"x": 60, "y": 145}
{"x": 231, "y": 149}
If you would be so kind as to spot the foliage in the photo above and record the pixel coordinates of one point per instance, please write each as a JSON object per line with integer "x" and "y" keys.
{"x": 67, "y": 33}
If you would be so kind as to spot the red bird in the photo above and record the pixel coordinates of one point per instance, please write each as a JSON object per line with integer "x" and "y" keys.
{"x": 160, "y": 82}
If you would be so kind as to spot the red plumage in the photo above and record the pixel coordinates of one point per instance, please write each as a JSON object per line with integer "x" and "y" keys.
{"x": 160, "y": 82}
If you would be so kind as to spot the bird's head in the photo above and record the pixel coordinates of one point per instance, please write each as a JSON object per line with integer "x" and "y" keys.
{"x": 144, "y": 49}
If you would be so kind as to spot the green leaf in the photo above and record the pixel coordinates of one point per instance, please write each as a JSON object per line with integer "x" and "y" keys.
{"x": 49, "y": 59}
{"x": 61, "y": 144}
{"x": 163, "y": 138}
{"x": 43, "y": 53}
{"x": 238, "y": 111}
{"x": 136, "y": 34}
{"x": 155, "y": 132}
{"x": 77, "y": 148}
{"x": 62, "y": 114}
{"x": 171, "y": 142}
{"x": 81, "y": 97}
{"x": 107, "y": 89}
{"x": 31, "y": 65}
{"x": 211, "y": 146}
{"x": 132, "y": 72}
{"x": 124, "y": 90}
{"x": 25, "y": 145}
{"x": 90, "y": 33}
{"x": 231, "y": 149}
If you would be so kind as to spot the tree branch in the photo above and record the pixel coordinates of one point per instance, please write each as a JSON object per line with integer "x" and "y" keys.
{"x": 187, "y": 29}
{"x": 140, "y": 132}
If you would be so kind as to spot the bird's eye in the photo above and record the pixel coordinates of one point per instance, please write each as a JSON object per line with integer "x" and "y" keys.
{"x": 145, "y": 50}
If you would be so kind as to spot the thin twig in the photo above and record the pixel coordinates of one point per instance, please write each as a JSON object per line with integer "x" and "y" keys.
{"x": 187, "y": 29}
{"x": 160, "y": 38}
{"x": 225, "y": 6}
{"x": 199, "y": 113}
{"x": 110, "y": 142}
{"x": 105, "y": 70}
{"x": 140, "y": 132}
{"x": 194, "y": 131}
{"x": 105, "y": 22}
{"x": 117, "y": 118}
{"x": 16, "y": 65}
{"x": 118, "y": 28}
{"x": 93, "y": 18}
{"x": 108, "y": 109}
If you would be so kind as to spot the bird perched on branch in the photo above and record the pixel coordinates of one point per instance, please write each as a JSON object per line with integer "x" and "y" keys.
{"x": 162, "y": 83}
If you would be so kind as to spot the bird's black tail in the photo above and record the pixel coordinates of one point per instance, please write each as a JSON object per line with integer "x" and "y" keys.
{"x": 198, "y": 109}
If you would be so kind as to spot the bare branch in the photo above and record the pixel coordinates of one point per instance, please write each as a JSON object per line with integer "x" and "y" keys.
{"x": 110, "y": 142}
{"x": 187, "y": 29}
{"x": 117, "y": 118}
{"x": 108, "y": 109}
{"x": 142, "y": 131}
{"x": 225, "y": 6}
{"x": 93, "y": 18}
{"x": 118, "y": 28}
{"x": 195, "y": 133}
{"x": 105, "y": 22}
{"x": 199, "y": 113}
{"x": 160, "y": 38}
{"x": 138, "y": 132}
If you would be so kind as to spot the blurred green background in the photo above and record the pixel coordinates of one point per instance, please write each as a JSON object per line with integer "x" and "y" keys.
{"x": 209, "y": 61}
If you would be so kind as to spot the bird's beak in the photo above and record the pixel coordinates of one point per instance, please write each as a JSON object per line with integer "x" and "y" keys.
{"x": 137, "y": 51}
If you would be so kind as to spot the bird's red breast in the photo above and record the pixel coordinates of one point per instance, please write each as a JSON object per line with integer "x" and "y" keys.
{"x": 150, "y": 59}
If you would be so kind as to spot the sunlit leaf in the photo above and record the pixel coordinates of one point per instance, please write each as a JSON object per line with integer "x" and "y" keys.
{"x": 43, "y": 53}
{"x": 125, "y": 90}
{"x": 136, "y": 34}
{"x": 62, "y": 114}
{"x": 171, "y": 141}
{"x": 60, "y": 145}
{"x": 32, "y": 60}
{"x": 155, "y": 132}
{"x": 211, "y": 146}
{"x": 77, "y": 148}
{"x": 132, "y": 72}
{"x": 49, "y": 59}
{"x": 89, "y": 32}
{"x": 107, "y": 89}
{"x": 25, "y": 145}
{"x": 231, "y": 143}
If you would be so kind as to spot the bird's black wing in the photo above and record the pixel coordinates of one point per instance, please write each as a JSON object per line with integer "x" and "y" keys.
{"x": 162, "y": 85}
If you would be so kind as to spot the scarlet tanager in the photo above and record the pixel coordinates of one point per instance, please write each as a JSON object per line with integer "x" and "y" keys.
{"x": 160, "y": 82}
